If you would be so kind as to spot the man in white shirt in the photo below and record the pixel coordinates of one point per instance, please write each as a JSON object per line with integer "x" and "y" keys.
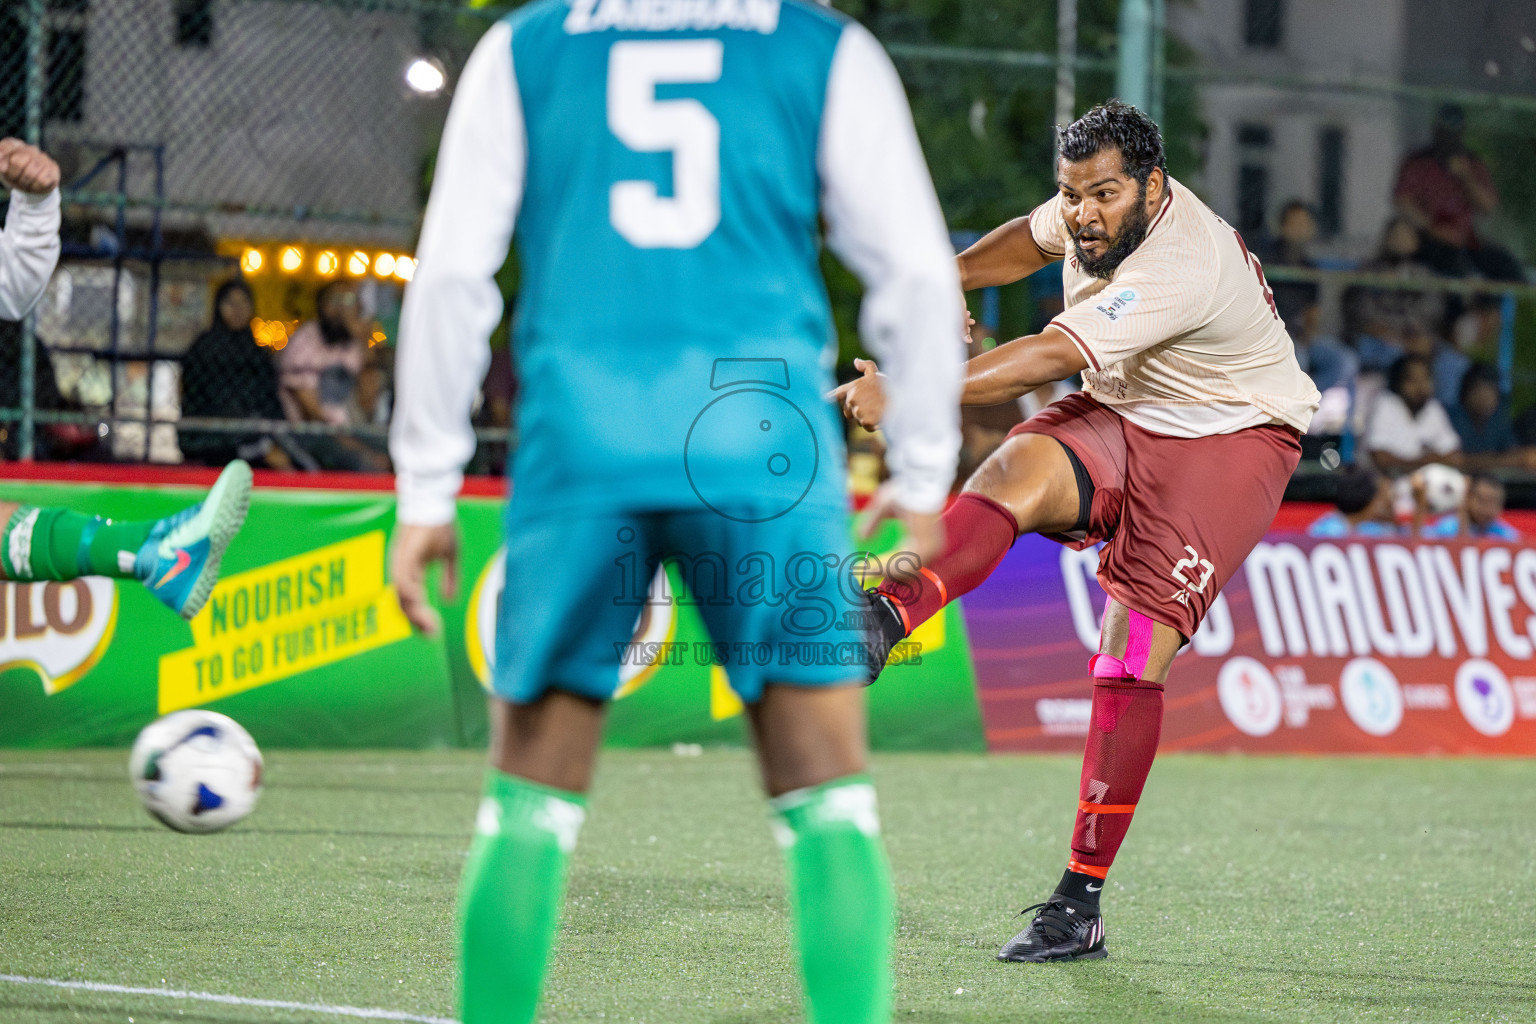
{"x": 1175, "y": 454}
{"x": 29, "y": 245}
{"x": 1408, "y": 427}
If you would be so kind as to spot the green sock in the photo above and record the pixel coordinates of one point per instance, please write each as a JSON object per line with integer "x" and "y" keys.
{"x": 840, "y": 888}
{"x": 510, "y": 896}
{"x": 57, "y": 544}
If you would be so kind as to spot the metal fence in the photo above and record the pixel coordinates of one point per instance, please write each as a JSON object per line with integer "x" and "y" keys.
{"x": 286, "y": 143}
{"x": 290, "y": 143}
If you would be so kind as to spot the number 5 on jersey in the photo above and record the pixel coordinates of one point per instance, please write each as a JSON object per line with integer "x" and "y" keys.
{"x": 683, "y": 127}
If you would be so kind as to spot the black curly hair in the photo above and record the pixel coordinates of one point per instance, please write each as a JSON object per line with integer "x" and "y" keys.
{"x": 1397, "y": 373}
{"x": 1115, "y": 125}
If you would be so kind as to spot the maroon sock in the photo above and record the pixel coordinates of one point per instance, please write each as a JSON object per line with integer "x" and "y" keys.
{"x": 978, "y": 532}
{"x": 1122, "y": 741}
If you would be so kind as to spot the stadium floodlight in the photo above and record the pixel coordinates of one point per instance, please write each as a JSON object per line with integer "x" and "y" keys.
{"x": 251, "y": 261}
{"x": 357, "y": 264}
{"x": 426, "y": 76}
{"x": 405, "y": 268}
{"x": 384, "y": 264}
{"x": 291, "y": 259}
{"x": 327, "y": 263}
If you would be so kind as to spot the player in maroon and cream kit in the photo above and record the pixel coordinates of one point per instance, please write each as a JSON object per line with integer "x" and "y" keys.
{"x": 1174, "y": 455}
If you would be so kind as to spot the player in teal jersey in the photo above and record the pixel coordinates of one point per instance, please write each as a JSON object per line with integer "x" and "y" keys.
{"x": 667, "y": 169}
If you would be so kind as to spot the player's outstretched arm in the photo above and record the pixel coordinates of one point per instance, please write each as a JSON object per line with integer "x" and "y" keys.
{"x": 450, "y": 309}
{"x": 884, "y": 221}
{"x": 1004, "y": 255}
{"x": 29, "y": 244}
{"x": 1016, "y": 368}
{"x": 1001, "y": 375}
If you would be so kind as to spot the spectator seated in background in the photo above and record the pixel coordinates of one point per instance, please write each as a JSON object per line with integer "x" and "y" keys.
{"x": 325, "y": 375}
{"x": 1324, "y": 359}
{"x": 1525, "y": 428}
{"x": 1443, "y": 189}
{"x": 1291, "y": 245}
{"x": 1447, "y": 364}
{"x": 1407, "y": 428}
{"x": 1329, "y": 362}
{"x": 1400, "y": 254}
{"x": 1480, "y": 516}
{"x": 1364, "y": 507}
{"x": 1377, "y": 319}
{"x": 1482, "y": 421}
{"x": 225, "y": 374}
{"x": 54, "y": 441}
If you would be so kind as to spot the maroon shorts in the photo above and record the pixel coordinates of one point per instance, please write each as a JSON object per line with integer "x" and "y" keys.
{"x": 1178, "y": 514}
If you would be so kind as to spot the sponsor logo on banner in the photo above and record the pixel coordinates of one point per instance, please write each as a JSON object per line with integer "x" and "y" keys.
{"x": 1372, "y": 697}
{"x": 1061, "y": 716}
{"x": 1485, "y": 697}
{"x": 1525, "y": 697}
{"x": 1371, "y": 645}
{"x": 480, "y": 622}
{"x": 58, "y": 630}
{"x": 655, "y": 628}
{"x": 1426, "y": 697}
{"x": 1249, "y": 696}
{"x": 285, "y": 618}
{"x": 1301, "y": 698}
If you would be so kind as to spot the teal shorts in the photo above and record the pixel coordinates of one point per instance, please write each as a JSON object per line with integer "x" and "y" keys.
{"x": 780, "y": 598}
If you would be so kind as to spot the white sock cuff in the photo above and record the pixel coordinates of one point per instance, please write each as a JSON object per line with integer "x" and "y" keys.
{"x": 849, "y": 801}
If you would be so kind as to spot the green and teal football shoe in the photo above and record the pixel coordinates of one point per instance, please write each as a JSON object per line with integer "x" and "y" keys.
{"x": 179, "y": 563}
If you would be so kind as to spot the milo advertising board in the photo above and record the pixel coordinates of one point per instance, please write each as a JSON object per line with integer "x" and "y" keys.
{"x": 303, "y": 642}
{"x": 58, "y": 631}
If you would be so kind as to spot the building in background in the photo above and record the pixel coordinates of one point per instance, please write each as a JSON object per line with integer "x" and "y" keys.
{"x": 1305, "y": 99}
{"x": 201, "y": 138}
{"x": 1269, "y": 143}
{"x": 270, "y": 119}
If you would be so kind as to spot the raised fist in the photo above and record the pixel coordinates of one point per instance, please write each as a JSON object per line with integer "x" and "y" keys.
{"x": 27, "y": 168}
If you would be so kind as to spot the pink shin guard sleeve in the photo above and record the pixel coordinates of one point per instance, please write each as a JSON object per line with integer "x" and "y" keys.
{"x": 1123, "y": 733}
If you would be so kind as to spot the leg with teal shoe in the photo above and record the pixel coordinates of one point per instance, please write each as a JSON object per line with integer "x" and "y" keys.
{"x": 177, "y": 558}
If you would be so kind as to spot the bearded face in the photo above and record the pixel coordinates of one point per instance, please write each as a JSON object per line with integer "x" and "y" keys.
{"x": 1106, "y": 209}
{"x": 1104, "y": 252}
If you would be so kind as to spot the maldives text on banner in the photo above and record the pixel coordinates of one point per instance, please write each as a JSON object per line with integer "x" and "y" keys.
{"x": 1316, "y": 646}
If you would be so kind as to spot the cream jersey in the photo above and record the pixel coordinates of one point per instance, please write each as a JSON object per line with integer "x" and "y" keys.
{"x": 1183, "y": 339}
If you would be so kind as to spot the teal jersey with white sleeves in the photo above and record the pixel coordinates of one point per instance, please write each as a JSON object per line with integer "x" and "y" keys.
{"x": 673, "y": 333}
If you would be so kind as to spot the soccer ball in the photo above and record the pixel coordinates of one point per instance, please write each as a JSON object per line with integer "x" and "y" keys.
{"x": 196, "y": 771}
{"x": 1444, "y": 488}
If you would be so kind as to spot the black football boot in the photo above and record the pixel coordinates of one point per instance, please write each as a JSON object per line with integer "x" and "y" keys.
{"x": 883, "y": 631}
{"x": 1059, "y": 931}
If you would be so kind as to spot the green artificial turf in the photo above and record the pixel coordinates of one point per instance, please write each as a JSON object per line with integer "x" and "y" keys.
{"x": 1250, "y": 889}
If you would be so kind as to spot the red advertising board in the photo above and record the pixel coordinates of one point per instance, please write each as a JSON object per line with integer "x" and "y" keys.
{"x": 1315, "y": 646}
